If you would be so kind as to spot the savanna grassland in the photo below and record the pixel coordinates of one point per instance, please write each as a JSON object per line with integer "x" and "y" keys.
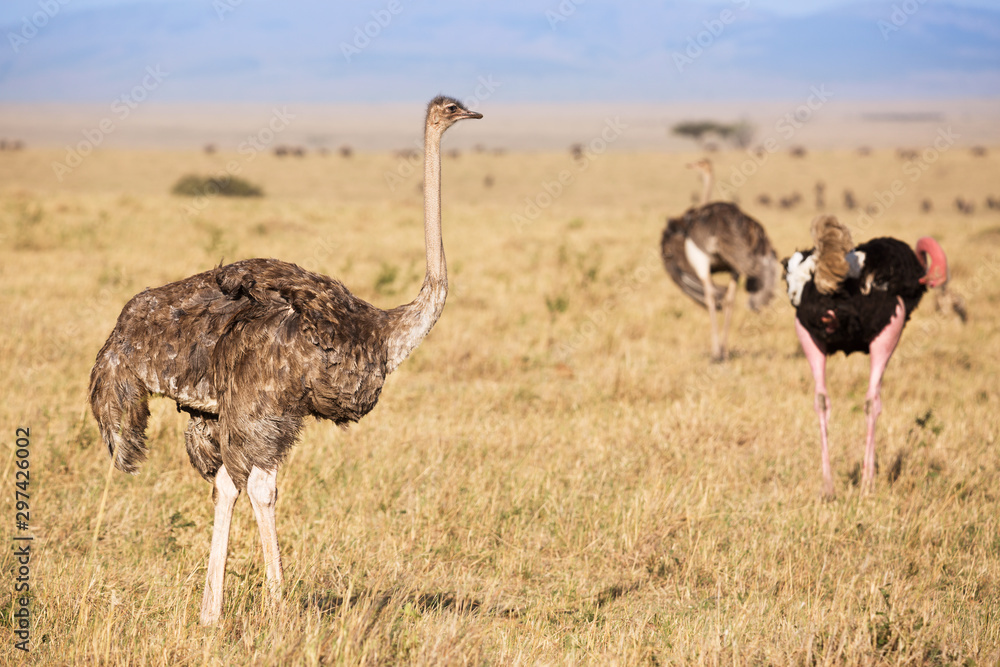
{"x": 559, "y": 474}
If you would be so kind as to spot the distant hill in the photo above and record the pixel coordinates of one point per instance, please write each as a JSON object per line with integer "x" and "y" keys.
{"x": 558, "y": 51}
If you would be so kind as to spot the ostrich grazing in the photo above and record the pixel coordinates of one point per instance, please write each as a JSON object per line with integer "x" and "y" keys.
{"x": 714, "y": 238}
{"x": 250, "y": 349}
{"x": 856, "y": 299}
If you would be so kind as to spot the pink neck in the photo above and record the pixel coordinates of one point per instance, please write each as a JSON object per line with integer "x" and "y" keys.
{"x": 937, "y": 272}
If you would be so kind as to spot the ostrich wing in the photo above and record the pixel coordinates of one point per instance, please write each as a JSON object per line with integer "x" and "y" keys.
{"x": 678, "y": 267}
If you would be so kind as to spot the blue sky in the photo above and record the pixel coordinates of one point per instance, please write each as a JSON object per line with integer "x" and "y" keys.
{"x": 631, "y": 50}
{"x": 12, "y": 11}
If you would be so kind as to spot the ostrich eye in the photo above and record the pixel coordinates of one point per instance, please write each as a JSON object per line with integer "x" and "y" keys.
{"x": 451, "y": 108}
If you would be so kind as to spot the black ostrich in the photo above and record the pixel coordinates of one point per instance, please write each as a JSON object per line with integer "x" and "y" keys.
{"x": 856, "y": 299}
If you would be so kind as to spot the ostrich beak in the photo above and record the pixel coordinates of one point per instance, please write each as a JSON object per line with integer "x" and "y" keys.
{"x": 469, "y": 114}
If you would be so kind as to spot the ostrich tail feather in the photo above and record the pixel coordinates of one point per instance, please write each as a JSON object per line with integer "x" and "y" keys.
{"x": 833, "y": 242}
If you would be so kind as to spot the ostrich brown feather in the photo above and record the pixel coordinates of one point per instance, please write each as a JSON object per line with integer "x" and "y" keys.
{"x": 833, "y": 242}
{"x": 250, "y": 349}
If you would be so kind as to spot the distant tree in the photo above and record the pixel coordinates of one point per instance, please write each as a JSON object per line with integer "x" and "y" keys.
{"x": 695, "y": 129}
{"x": 739, "y": 134}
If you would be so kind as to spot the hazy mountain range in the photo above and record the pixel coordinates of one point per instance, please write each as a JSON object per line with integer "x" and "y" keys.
{"x": 516, "y": 51}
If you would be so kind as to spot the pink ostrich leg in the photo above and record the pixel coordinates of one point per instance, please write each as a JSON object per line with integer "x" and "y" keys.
{"x": 816, "y": 355}
{"x": 880, "y": 350}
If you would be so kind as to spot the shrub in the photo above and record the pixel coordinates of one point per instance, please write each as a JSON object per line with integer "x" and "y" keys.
{"x": 227, "y": 186}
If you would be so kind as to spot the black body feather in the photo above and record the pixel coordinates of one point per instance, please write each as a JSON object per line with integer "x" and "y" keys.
{"x": 862, "y": 307}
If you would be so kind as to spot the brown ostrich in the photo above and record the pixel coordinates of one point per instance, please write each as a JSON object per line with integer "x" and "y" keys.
{"x": 250, "y": 349}
{"x": 718, "y": 237}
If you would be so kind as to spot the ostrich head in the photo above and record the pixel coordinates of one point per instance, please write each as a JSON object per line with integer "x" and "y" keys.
{"x": 703, "y": 166}
{"x": 937, "y": 272}
{"x": 760, "y": 284}
{"x": 443, "y": 112}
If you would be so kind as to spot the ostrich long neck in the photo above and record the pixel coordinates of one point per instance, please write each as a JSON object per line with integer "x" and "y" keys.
{"x": 437, "y": 269}
{"x": 707, "y": 181}
{"x": 415, "y": 320}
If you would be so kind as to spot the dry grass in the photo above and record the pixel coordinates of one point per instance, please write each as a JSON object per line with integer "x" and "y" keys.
{"x": 558, "y": 475}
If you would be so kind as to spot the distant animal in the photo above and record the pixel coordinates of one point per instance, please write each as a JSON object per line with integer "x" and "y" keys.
{"x": 764, "y": 199}
{"x": 926, "y": 205}
{"x": 965, "y": 206}
{"x": 791, "y": 201}
{"x": 718, "y": 237}
{"x": 248, "y": 351}
{"x": 820, "y": 189}
{"x": 856, "y": 299}
{"x": 850, "y": 203}
{"x": 797, "y": 151}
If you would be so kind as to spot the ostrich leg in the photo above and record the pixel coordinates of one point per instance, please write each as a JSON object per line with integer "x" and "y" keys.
{"x": 226, "y": 494}
{"x": 727, "y": 314}
{"x": 702, "y": 265}
{"x": 717, "y": 354}
{"x": 816, "y": 355}
{"x": 262, "y": 488}
{"x": 880, "y": 350}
